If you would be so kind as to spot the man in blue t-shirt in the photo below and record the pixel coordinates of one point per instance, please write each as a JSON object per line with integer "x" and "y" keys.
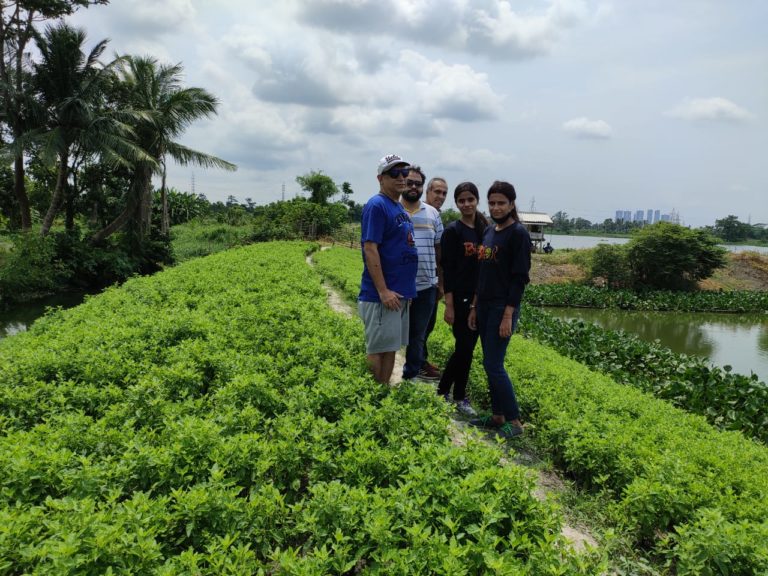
{"x": 390, "y": 260}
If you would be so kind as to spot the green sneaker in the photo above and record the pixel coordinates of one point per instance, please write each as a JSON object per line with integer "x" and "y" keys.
{"x": 509, "y": 431}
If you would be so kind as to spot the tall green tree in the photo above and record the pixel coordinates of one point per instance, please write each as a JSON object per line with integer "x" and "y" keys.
{"x": 17, "y": 28}
{"x": 167, "y": 110}
{"x": 731, "y": 230}
{"x": 320, "y": 187}
{"x": 71, "y": 85}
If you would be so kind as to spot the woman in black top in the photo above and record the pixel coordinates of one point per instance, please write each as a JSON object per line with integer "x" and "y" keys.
{"x": 504, "y": 263}
{"x": 458, "y": 248}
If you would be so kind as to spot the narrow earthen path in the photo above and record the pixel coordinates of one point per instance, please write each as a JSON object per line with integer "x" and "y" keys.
{"x": 547, "y": 483}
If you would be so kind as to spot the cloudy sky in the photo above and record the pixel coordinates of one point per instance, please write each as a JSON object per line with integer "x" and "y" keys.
{"x": 585, "y": 106}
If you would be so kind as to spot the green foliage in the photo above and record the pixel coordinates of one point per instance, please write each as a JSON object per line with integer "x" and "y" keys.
{"x": 595, "y": 297}
{"x": 666, "y": 471}
{"x": 610, "y": 262}
{"x": 731, "y": 230}
{"x": 219, "y": 418}
{"x": 668, "y": 256}
{"x": 30, "y": 267}
{"x": 674, "y": 485}
{"x": 728, "y": 400}
{"x": 35, "y": 265}
{"x": 449, "y": 215}
{"x": 297, "y": 218}
{"x": 201, "y": 237}
{"x": 182, "y": 206}
{"x": 320, "y": 186}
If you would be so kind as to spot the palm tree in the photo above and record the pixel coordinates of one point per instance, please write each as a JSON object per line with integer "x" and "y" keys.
{"x": 168, "y": 110}
{"x": 71, "y": 86}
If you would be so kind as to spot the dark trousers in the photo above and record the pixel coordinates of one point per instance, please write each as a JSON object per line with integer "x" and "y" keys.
{"x": 456, "y": 372}
{"x": 419, "y": 314}
{"x": 503, "y": 399}
{"x": 430, "y": 327}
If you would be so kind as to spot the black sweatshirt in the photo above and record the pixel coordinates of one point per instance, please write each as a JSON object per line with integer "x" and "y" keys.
{"x": 458, "y": 249}
{"x": 505, "y": 261}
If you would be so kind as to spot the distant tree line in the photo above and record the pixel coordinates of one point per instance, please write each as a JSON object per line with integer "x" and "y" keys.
{"x": 728, "y": 229}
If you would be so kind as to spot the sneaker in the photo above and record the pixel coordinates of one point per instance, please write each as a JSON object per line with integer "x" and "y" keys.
{"x": 465, "y": 407}
{"x": 509, "y": 431}
{"x": 428, "y": 373}
{"x": 484, "y": 422}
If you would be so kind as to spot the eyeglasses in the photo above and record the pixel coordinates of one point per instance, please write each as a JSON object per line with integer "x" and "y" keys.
{"x": 414, "y": 184}
{"x": 396, "y": 172}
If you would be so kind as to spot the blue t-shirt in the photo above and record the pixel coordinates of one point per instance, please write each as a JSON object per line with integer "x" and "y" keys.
{"x": 386, "y": 223}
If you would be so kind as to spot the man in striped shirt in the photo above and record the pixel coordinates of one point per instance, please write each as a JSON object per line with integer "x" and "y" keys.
{"x": 428, "y": 229}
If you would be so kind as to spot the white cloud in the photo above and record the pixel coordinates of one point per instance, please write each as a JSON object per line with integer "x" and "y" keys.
{"x": 591, "y": 129}
{"x": 489, "y": 27}
{"x": 710, "y": 109}
{"x": 453, "y": 92}
{"x": 503, "y": 33}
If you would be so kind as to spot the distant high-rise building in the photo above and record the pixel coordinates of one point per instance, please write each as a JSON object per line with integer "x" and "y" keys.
{"x": 639, "y": 216}
{"x": 665, "y": 217}
{"x": 627, "y": 216}
{"x": 619, "y": 216}
{"x": 656, "y": 216}
{"x": 649, "y": 216}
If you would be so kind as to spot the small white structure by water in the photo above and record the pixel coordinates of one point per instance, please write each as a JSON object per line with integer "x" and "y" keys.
{"x": 535, "y": 222}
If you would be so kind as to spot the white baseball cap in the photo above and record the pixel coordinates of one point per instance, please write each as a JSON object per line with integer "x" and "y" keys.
{"x": 389, "y": 161}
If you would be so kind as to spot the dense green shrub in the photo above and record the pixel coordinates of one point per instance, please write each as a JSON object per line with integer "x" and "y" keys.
{"x": 610, "y": 262}
{"x": 668, "y": 256}
{"x": 31, "y": 268}
{"x": 62, "y": 261}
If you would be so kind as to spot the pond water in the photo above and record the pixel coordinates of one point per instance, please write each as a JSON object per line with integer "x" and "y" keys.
{"x": 567, "y": 241}
{"x": 738, "y": 340}
{"x": 21, "y": 316}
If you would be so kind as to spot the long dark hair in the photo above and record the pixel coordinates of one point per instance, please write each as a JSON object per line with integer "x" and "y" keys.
{"x": 505, "y": 188}
{"x": 481, "y": 222}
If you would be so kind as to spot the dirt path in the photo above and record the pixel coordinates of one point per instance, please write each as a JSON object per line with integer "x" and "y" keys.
{"x": 548, "y": 484}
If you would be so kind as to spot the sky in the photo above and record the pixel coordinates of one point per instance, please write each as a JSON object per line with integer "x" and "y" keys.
{"x": 587, "y": 107}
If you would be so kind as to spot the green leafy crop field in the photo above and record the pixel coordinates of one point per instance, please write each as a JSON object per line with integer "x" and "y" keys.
{"x": 692, "y": 496}
{"x": 218, "y": 418}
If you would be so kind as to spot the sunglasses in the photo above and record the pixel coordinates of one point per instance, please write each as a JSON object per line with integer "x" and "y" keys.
{"x": 395, "y": 172}
{"x": 414, "y": 183}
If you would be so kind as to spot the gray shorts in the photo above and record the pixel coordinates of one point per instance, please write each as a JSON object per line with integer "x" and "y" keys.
{"x": 385, "y": 330}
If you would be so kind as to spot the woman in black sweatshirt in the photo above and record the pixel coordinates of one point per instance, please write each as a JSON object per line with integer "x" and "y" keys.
{"x": 504, "y": 263}
{"x": 458, "y": 248}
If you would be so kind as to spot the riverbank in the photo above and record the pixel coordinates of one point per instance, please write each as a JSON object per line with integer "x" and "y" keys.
{"x": 743, "y": 271}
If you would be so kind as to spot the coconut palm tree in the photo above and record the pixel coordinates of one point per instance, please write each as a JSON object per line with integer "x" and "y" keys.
{"x": 168, "y": 110}
{"x": 71, "y": 86}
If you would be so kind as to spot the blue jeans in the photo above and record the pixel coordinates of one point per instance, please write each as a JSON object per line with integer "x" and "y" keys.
{"x": 503, "y": 399}
{"x": 421, "y": 311}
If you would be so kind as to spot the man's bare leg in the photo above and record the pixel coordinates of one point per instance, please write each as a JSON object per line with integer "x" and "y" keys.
{"x": 381, "y": 365}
